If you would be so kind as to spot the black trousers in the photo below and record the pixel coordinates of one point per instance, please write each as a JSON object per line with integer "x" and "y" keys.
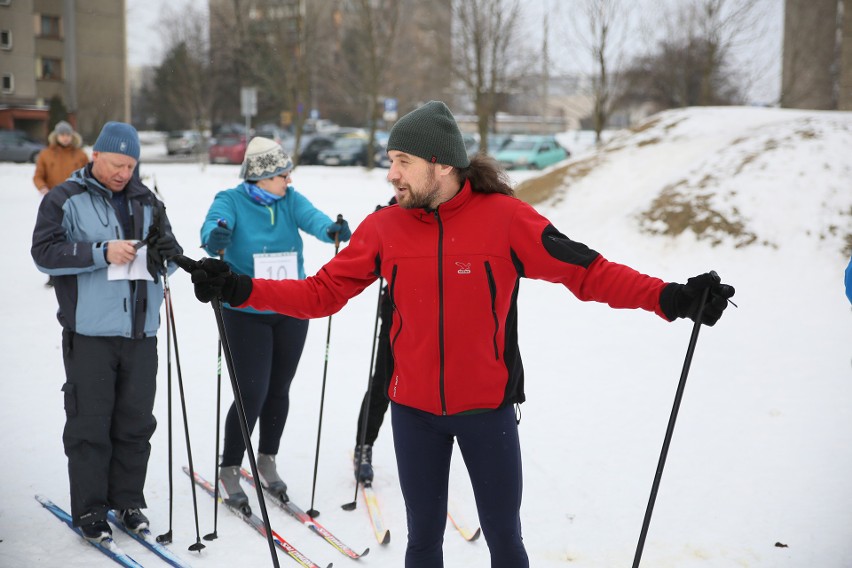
{"x": 491, "y": 451}
{"x": 375, "y": 402}
{"x": 109, "y": 391}
{"x": 266, "y": 349}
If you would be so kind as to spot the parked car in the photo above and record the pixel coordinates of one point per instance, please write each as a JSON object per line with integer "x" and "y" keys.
{"x": 16, "y": 146}
{"x": 530, "y": 153}
{"x": 345, "y": 151}
{"x": 183, "y": 142}
{"x": 309, "y": 154}
{"x": 497, "y": 142}
{"x": 280, "y": 135}
{"x": 228, "y": 149}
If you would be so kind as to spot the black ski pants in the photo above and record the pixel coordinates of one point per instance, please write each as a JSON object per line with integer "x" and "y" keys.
{"x": 266, "y": 349}
{"x": 109, "y": 400}
{"x": 375, "y": 402}
{"x": 491, "y": 451}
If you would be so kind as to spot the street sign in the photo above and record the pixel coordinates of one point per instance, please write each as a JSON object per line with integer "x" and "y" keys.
{"x": 390, "y": 114}
{"x": 248, "y": 101}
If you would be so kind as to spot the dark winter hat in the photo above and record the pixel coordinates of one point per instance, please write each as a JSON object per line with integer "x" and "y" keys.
{"x": 118, "y": 138}
{"x": 264, "y": 159}
{"x": 430, "y": 132}
{"x": 63, "y": 127}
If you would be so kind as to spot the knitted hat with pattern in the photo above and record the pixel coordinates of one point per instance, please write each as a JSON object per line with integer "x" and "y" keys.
{"x": 430, "y": 132}
{"x": 264, "y": 159}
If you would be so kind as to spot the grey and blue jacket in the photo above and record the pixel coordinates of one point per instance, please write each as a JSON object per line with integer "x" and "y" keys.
{"x": 74, "y": 221}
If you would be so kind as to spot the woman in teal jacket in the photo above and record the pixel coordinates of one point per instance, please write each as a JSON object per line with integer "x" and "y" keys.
{"x": 255, "y": 227}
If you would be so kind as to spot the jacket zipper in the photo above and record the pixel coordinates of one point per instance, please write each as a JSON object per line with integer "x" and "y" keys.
{"x": 441, "y": 311}
{"x": 492, "y": 286}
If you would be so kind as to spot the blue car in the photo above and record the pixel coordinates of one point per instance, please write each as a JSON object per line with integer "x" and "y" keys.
{"x": 531, "y": 153}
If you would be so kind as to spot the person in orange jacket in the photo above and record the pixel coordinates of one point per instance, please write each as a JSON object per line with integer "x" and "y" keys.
{"x": 60, "y": 159}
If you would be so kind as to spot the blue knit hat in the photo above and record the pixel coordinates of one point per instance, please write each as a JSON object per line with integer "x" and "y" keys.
{"x": 118, "y": 138}
{"x": 430, "y": 132}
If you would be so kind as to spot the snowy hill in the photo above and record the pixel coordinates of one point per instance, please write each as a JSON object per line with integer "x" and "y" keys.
{"x": 726, "y": 175}
{"x": 759, "y": 473}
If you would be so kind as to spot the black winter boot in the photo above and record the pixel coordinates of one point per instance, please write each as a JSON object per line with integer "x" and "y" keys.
{"x": 363, "y": 462}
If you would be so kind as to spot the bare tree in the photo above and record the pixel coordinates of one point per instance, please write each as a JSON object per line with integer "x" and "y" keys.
{"x": 603, "y": 33}
{"x": 490, "y": 57}
{"x": 182, "y": 80}
{"x": 370, "y": 37}
{"x": 693, "y": 63}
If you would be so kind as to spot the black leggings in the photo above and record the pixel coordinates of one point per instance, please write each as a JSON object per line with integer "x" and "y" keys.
{"x": 375, "y": 402}
{"x": 266, "y": 349}
{"x": 492, "y": 454}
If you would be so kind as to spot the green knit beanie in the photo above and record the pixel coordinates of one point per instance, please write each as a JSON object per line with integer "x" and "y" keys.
{"x": 430, "y": 132}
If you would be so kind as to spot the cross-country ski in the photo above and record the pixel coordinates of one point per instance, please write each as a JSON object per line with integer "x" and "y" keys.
{"x": 106, "y": 546}
{"x": 297, "y": 513}
{"x": 149, "y": 541}
{"x": 257, "y": 524}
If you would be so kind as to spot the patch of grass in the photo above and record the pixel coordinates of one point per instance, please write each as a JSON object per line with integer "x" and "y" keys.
{"x": 649, "y": 142}
{"x": 674, "y": 211}
{"x": 539, "y": 189}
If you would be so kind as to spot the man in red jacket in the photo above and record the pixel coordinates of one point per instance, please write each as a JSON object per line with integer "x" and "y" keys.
{"x": 453, "y": 281}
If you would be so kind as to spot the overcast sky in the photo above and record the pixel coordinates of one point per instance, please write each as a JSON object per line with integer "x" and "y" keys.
{"x": 760, "y": 59}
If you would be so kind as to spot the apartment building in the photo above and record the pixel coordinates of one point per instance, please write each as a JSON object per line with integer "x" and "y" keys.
{"x": 71, "y": 51}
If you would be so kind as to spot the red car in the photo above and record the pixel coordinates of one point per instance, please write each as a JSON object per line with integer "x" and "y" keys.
{"x": 228, "y": 149}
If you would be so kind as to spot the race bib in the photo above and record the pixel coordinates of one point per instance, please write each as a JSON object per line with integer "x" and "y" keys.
{"x": 276, "y": 266}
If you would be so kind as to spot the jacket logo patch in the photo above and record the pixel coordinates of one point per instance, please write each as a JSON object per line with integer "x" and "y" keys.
{"x": 464, "y": 267}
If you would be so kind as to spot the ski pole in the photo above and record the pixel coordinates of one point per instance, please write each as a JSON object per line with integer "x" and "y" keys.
{"x": 670, "y": 429}
{"x": 198, "y": 545}
{"x": 241, "y": 412}
{"x": 312, "y": 512}
{"x": 351, "y": 506}
{"x": 214, "y": 535}
{"x": 166, "y": 537}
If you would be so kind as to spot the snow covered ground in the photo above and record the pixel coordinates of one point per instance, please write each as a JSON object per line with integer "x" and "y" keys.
{"x": 759, "y": 473}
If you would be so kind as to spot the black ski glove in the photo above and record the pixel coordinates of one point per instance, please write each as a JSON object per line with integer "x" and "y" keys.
{"x": 161, "y": 247}
{"x": 213, "y": 279}
{"x": 339, "y": 228}
{"x": 682, "y": 300}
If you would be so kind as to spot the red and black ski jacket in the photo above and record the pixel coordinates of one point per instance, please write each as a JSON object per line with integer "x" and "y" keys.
{"x": 453, "y": 277}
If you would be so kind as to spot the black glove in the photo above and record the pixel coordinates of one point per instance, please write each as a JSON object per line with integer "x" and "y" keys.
{"x": 213, "y": 279}
{"x": 218, "y": 240}
{"x": 682, "y": 300}
{"x": 340, "y": 228}
{"x": 162, "y": 245}
{"x": 160, "y": 249}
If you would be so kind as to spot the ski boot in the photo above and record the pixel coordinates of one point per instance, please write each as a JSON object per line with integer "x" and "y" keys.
{"x": 97, "y": 531}
{"x": 363, "y": 462}
{"x": 231, "y": 491}
{"x": 133, "y": 519}
{"x": 269, "y": 477}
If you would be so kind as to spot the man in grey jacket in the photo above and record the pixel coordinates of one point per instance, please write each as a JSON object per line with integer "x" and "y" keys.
{"x": 105, "y": 239}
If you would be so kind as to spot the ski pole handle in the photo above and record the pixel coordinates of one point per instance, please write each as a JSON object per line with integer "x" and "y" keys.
{"x": 337, "y": 234}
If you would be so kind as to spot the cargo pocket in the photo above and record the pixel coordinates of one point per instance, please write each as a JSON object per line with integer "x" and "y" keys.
{"x": 70, "y": 399}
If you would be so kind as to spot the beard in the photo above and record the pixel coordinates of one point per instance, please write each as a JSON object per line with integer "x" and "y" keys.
{"x": 423, "y": 197}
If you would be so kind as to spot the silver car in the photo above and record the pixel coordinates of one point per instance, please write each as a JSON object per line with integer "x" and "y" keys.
{"x": 183, "y": 142}
{"x": 16, "y": 146}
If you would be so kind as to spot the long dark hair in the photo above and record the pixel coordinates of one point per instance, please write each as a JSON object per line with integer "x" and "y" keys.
{"x": 486, "y": 176}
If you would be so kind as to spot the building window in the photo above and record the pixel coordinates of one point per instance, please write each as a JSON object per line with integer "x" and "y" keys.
{"x": 5, "y": 39}
{"x": 50, "y": 26}
{"x": 49, "y": 68}
{"x": 8, "y": 84}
